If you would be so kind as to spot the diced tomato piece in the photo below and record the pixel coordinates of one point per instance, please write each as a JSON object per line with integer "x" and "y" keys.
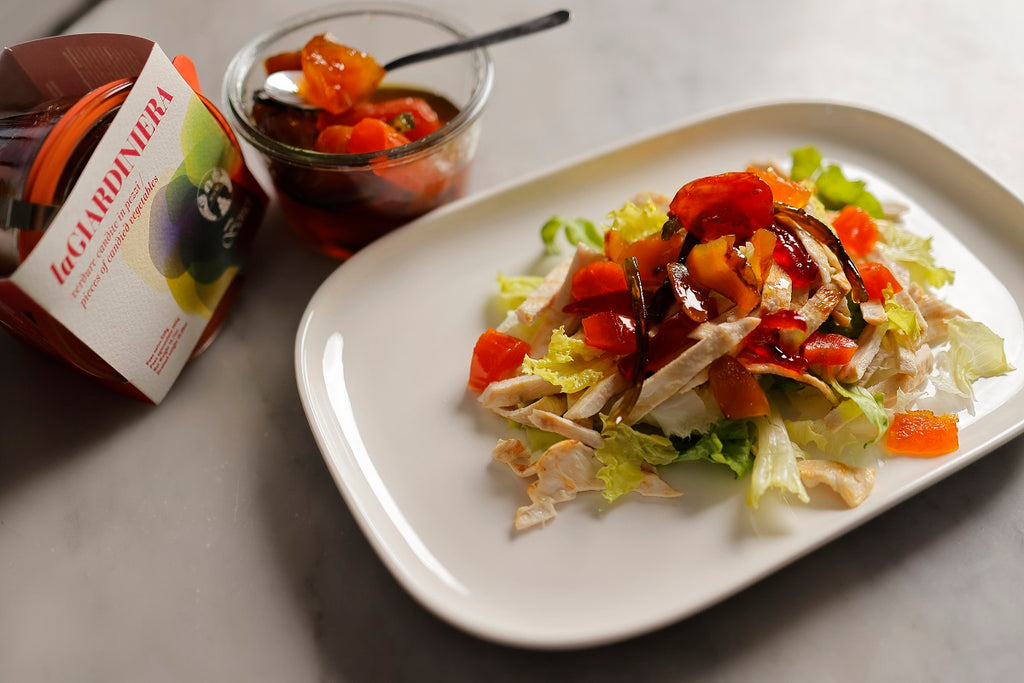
{"x": 784, "y": 190}
{"x": 610, "y": 332}
{"x": 337, "y": 76}
{"x": 877, "y": 278}
{"x": 719, "y": 266}
{"x": 828, "y": 349}
{"x": 856, "y": 230}
{"x": 921, "y": 433}
{"x": 597, "y": 279}
{"x": 424, "y": 119}
{"x": 333, "y": 139}
{"x": 496, "y": 356}
{"x": 726, "y": 204}
{"x": 736, "y": 389}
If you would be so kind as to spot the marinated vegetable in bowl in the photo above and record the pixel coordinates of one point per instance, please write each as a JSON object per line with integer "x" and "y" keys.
{"x": 376, "y": 153}
{"x": 783, "y": 325}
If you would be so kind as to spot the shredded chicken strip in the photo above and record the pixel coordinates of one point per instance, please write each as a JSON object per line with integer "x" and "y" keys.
{"x": 937, "y": 312}
{"x": 592, "y": 399}
{"x": 816, "y": 311}
{"x": 868, "y": 344}
{"x": 777, "y": 293}
{"x": 516, "y": 390}
{"x": 550, "y": 422}
{"x": 714, "y": 341}
{"x": 563, "y": 470}
{"x": 853, "y": 484}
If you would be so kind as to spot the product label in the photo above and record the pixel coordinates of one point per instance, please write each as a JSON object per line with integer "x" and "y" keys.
{"x": 140, "y": 254}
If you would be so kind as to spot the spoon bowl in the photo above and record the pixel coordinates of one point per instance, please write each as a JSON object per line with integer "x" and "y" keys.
{"x": 286, "y": 86}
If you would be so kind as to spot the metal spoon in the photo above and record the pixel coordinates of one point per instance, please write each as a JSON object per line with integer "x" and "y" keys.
{"x": 283, "y": 86}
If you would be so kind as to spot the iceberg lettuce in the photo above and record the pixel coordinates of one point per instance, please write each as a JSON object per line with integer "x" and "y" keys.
{"x": 915, "y": 253}
{"x": 513, "y": 290}
{"x": 873, "y": 407}
{"x": 975, "y": 351}
{"x": 775, "y": 462}
{"x": 570, "y": 363}
{"x": 635, "y": 222}
{"x": 623, "y": 452}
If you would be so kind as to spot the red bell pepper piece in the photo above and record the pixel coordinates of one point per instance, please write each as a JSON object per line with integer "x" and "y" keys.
{"x": 425, "y": 120}
{"x": 496, "y": 356}
{"x": 610, "y": 332}
{"x": 877, "y": 278}
{"x": 736, "y": 389}
{"x": 597, "y": 279}
{"x": 726, "y": 204}
{"x": 828, "y": 349}
{"x": 921, "y": 433}
{"x": 856, "y": 230}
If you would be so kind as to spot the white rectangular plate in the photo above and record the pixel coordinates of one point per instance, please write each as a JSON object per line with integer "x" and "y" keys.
{"x": 382, "y": 357}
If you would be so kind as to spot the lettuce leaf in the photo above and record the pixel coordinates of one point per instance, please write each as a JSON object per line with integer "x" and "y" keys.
{"x": 806, "y": 161}
{"x": 844, "y": 432}
{"x": 577, "y": 230}
{"x": 975, "y": 351}
{"x": 635, "y": 222}
{"x": 915, "y": 253}
{"x": 902, "y": 319}
{"x": 836, "y": 191}
{"x": 513, "y": 290}
{"x": 728, "y": 442}
{"x": 570, "y": 363}
{"x": 683, "y": 414}
{"x": 775, "y": 463}
{"x": 623, "y": 452}
{"x": 873, "y": 407}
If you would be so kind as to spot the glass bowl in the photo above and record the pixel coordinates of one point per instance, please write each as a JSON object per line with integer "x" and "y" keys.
{"x": 341, "y": 202}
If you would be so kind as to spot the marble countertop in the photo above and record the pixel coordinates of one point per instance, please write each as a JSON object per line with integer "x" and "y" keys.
{"x": 205, "y": 540}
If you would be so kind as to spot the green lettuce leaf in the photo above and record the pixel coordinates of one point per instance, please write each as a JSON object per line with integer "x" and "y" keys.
{"x": 577, "y": 230}
{"x": 635, "y": 222}
{"x": 873, "y": 407}
{"x": 570, "y": 363}
{"x": 513, "y": 290}
{"x": 975, "y": 351}
{"x": 729, "y": 443}
{"x": 843, "y": 432}
{"x": 775, "y": 463}
{"x": 806, "y": 161}
{"x": 913, "y": 252}
{"x": 902, "y": 319}
{"x": 623, "y": 452}
{"x": 836, "y": 191}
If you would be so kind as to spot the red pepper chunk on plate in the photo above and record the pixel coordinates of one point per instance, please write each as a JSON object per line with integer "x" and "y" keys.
{"x": 496, "y": 356}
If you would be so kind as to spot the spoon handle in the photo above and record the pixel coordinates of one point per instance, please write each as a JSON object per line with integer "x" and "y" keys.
{"x": 527, "y": 27}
